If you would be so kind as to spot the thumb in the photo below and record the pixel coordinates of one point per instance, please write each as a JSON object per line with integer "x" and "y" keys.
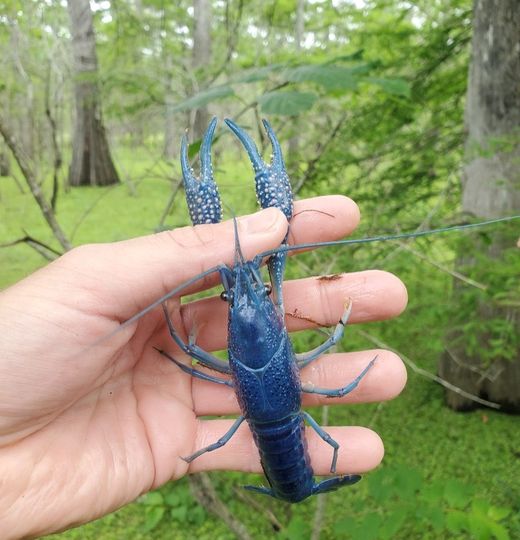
{"x": 128, "y": 276}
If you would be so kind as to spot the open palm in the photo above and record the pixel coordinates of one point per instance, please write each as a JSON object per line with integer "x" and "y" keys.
{"x": 92, "y": 416}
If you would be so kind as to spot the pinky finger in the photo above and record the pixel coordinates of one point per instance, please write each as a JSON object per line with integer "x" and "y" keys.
{"x": 360, "y": 450}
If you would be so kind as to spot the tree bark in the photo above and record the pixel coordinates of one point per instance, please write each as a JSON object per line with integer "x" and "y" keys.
{"x": 490, "y": 188}
{"x": 201, "y": 57}
{"x": 91, "y": 160}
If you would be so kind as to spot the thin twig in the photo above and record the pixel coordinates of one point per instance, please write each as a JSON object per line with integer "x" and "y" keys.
{"x": 311, "y": 166}
{"x": 204, "y": 491}
{"x": 43, "y": 249}
{"x": 17, "y": 182}
{"x": 90, "y": 208}
{"x": 252, "y": 502}
{"x": 379, "y": 408}
{"x": 420, "y": 371}
{"x": 475, "y": 369}
{"x": 169, "y": 204}
{"x": 57, "y": 161}
{"x": 453, "y": 273}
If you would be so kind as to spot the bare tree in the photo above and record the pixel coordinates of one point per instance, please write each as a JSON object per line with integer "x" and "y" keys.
{"x": 491, "y": 188}
{"x": 91, "y": 160}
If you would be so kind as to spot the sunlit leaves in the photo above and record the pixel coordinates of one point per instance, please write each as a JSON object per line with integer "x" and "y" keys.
{"x": 255, "y": 74}
{"x": 286, "y": 103}
{"x": 397, "y": 87}
{"x": 330, "y": 77}
{"x": 203, "y": 98}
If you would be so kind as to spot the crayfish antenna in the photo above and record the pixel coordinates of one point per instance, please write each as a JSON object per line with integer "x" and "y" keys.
{"x": 239, "y": 256}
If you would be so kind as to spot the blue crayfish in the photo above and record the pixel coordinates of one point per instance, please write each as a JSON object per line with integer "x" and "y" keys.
{"x": 263, "y": 366}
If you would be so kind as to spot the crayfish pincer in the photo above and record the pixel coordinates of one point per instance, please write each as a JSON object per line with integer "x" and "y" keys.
{"x": 264, "y": 370}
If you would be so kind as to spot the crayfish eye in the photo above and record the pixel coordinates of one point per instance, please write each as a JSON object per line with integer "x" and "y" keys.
{"x": 268, "y": 289}
{"x": 227, "y": 296}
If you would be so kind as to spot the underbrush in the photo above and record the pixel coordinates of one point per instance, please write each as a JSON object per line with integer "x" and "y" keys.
{"x": 445, "y": 475}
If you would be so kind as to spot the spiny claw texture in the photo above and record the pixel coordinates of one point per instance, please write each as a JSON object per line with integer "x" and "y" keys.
{"x": 201, "y": 193}
{"x": 272, "y": 182}
{"x": 264, "y": 370}
{"x": 273, "y": 188}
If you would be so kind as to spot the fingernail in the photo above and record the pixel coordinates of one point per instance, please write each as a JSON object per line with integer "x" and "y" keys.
{"x": 261, "y": 222}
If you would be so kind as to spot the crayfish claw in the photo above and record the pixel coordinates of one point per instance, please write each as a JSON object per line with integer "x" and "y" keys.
{"x": 202, "y": 194}
{"x": 272, "y": 184}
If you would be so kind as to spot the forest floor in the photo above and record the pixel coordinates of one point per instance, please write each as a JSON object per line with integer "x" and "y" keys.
{"x": 445, "y": 474}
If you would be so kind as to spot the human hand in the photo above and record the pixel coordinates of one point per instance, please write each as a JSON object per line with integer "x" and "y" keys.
{"x": 89, "y": 422}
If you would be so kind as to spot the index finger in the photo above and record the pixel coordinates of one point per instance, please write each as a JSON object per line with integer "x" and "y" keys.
{"x": 128, "y": 276}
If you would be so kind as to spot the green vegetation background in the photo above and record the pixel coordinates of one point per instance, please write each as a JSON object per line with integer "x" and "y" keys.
{"x": 396, "y": 114}
{"x": 438, "y": 464}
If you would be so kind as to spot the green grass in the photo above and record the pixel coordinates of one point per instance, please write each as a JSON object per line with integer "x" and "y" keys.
{"x": 479, "y": 449}
{"x": 106, "y": 214}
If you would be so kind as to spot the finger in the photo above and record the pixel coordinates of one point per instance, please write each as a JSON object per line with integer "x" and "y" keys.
{"x": 384, "y": 381}
{"x": 129, "y": 275}
{"x": 360, "y": 449}
{"x": 309, "y": 302}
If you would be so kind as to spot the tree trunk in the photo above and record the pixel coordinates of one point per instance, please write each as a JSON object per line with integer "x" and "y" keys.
{"x": 491, "y": 188}
{"x": 201, "y": 57}
{"x": 91, "y": 160}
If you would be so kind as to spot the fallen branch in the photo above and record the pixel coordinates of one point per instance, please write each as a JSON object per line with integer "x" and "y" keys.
{"x": 24, "y": 163}
{"x": 424, "y": 373}
{"x": 253, "y": 503}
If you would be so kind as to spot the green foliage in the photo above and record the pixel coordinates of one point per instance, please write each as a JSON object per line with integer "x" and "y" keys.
{"x": 175, "y": 504}
{"x": 329, "y": 76}
{"x": 252, "y": 75}
{"x": 491, "y": 336}
{"x": 378, "y": 98}
{"x": 396, "y": 87}
{"x": 286, "y": 103}
{"x": 297, "y": 529}
{"x": 203, "y": 98}
{"x": 405, "y": 501}
{"x": 333, "y": 79}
